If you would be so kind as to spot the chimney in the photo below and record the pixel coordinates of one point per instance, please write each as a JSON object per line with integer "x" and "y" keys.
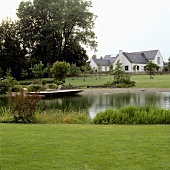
{"x": 121, "y": 56}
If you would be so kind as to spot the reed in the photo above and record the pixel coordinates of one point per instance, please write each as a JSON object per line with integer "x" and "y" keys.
{"x": 133, "y": 115}
{"x": 71, "y": 116}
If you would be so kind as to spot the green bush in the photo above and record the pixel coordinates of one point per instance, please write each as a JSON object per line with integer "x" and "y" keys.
{"x": 16, "y": 88}
{"x": 33, "y": 87}
{"x": 44, "y": 82}
{"x": 133, "y": 115}
{"x": 36, "y": 82}
{"x": 7, "y": 84}
{"x": 25, "y": 83}
{"x": 52, "y": 86}
{"x": 22, "y": 106}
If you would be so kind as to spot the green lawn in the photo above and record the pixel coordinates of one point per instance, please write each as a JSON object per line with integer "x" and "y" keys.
{"x": 142, "y": 81}
{"x": 84, "y": 147}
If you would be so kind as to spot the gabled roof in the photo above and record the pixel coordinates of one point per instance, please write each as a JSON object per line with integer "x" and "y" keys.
{"x": 150, "y": 55}
{"x": 102, "y": 62}
{"x": 112, "y": 59}
{"x": 136, "y": 58}
{"x": 141, "y": 57}
{"x": 107, "y": 56}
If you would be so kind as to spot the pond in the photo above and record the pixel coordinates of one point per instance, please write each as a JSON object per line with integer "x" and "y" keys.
{"x": 96, "y": 103}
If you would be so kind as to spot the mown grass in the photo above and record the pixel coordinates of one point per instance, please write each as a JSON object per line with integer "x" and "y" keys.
{"x": 142, "y": 81}
{"x": 84, "y": 147}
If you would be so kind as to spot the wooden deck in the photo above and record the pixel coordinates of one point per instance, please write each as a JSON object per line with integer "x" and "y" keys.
{"x": 56, "y": 93}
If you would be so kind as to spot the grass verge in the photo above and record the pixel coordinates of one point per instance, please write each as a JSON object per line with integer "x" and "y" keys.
{"x": 82, "y": 147}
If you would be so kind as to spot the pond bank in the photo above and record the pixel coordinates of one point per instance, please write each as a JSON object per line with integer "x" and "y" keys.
{"x": 121, "y": 90}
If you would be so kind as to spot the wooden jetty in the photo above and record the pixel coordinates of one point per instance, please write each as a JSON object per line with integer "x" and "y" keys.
{"x": 55, "y": 93}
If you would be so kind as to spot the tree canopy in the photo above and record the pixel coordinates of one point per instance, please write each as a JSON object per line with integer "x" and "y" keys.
{"x": 151, "y": 67}
{"x": 57, "y": 29}
{"x": 47, "y": 31}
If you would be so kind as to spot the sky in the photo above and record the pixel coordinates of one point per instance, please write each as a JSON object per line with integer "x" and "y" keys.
{"x": 128, "y": 25}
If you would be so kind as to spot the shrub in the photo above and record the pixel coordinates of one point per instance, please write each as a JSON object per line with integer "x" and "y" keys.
{"x": 6, "y": 84}
{"x": 133, "y": 115}
{"x": 36, "y": 82}
{"x": 16, "y": 88}
{"x": 33, "y": 87}
{"x": 44, "y": 82}
{"x": 22, "y": 106}
{"x": 52, "y": 86}
{"x": 25, "y": 83}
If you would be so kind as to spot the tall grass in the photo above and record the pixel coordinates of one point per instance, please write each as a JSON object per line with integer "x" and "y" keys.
{"x": 133, "y": 115}
{"x": 59, "y": 116}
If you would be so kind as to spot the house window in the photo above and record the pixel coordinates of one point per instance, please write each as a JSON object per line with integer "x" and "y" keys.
{"x": 137, "y": 68}
{"x": 105, "y": 68}
{"x": 126, "y": 68}
{"x": 158, "y": 60}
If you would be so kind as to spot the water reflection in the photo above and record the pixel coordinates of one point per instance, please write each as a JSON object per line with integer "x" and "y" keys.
{"x": 96, "y": 103}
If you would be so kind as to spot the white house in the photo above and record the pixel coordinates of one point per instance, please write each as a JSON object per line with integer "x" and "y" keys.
{"x": 139, "y": 59}
{"x": 104, "y": 63}
{"x": 129, "y": 60}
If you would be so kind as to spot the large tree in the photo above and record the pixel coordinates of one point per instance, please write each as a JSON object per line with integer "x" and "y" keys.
{"x": 12, "y": 52}
{"x": 57, "y": 29}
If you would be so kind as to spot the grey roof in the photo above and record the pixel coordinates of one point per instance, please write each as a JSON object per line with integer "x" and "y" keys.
{"x": 102, "y": 62}
{"x": 112, "y": 59}
{"x": 136, "y": 58}
{"x": 141, "y": 57}
{"x": 150, "y": 55}
{"x": 107, "y": 56}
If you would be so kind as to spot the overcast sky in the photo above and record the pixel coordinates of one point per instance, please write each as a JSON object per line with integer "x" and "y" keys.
{"x": 128, "y": 25}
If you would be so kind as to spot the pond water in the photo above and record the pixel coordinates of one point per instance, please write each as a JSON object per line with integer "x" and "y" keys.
{"x": 96, "y": 103}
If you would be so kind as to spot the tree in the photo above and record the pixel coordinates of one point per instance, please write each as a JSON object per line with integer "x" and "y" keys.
{"x": 134, "y": 68}
{"x": 24, "y": 73}
{"x": 151, "y": 67}
{"x": 110, "y": 69}
{"x": 1, "y": 72}
{"x": 84, "y": 70}
{"x": 118, "y": 72}
{"x": 169, "y": 63}
{"x": 12, "y": 51}
{"x": 74, "y": 70}
{"x": 60, "y": 69}
{"x": 94, "y": 56}
{"x": 121, "y": 79}
{"x": 99, "y": 69}
{"x": 48, "y": 69}
{"x": 38, "y": 71}
{"x": 57, "y": 30}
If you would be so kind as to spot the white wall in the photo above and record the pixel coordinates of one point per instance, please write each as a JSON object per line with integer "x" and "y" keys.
{"x": 94, "y": 65}
{"x": 127, "y": 63}
{"x": 158, "y": 55}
